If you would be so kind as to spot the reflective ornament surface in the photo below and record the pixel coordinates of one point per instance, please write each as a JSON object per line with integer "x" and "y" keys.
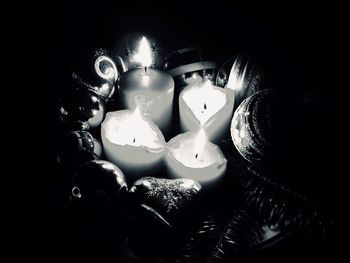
{"x": 78, "y": 147}
{"x": 82, "y": 106}
{"x": 98, "y": 183}
{"x": 241, "y": 74}
{"x": 97, "y": 70}
{"x": 266, "y": 127}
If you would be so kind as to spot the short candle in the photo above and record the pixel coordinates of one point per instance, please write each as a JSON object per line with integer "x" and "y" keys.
{"x": 133, "y": 142}
{"x": 191, "y": 155}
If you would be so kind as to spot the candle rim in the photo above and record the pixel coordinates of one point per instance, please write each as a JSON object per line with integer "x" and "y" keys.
{"x": 153, "y": 126}
{"x": 169, "y": 151}
{"x": 219, "y": 164}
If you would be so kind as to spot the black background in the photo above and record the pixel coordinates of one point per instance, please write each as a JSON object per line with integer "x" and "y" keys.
{"x": 301, "y": 48}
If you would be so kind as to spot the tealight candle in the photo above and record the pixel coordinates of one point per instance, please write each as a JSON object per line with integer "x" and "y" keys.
{"x": 206, "y": 106}
{"x": 191, "y": 155}
{"x": 133, "y": 142}
{"x": 150, "y": 89}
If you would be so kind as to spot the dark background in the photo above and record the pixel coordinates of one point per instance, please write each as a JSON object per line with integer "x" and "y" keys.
{"x": 300, "y": 47}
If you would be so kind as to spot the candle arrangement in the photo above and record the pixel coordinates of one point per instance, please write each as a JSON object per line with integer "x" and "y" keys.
{"x": 133, "y": 137}
{"x": 164, "y": 127}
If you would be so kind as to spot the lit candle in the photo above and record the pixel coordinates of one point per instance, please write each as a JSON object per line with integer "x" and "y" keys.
{"x": 206, "y": 106}
{"x": 150, "y": 89}
{"x": 133, "y": 142}
{"x": 191, "y": 155}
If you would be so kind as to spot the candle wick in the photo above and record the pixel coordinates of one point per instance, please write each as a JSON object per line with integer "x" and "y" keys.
{"x": 134, "y": 140}
{"x": 205, "y": 106}
{"x": 196, "y": 156}
{"x": 146, "y": 69}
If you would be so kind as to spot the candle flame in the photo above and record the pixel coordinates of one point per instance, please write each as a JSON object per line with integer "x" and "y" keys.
{"x": 136, "y": 114}
{"x": 144, "y": 53}
{"x": 199, "y": 142}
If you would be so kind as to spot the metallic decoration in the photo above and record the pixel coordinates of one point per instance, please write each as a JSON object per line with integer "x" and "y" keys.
{"x": 241, "y": 74}
{"x": 97, "y": 70}
{"x": 82, "y": 106}
{"x": 266, "y": 126}
{"x": 188, "y": 66}
{"x": 78, "y": 147}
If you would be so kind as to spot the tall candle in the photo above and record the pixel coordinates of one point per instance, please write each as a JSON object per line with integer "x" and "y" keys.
{"x": 191, "y": 155}
{"x": 133, "y": 142}
{"x": 150, "y": 89}
{"x": 207, "y": 106}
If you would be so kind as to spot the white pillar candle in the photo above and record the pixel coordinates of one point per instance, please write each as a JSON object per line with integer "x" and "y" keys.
{"x": 133, "y": 142}
{"x": 150, "y": 89}
{"x": 191, "y": 155}
{"x": 207, "y": 106}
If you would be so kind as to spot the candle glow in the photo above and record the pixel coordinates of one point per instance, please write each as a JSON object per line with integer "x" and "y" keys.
{"x": 134, "y": 131}
{"x": 144, "y": 53}
{"x": 205, "y": 94}
{"x": 208, "y": 107}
